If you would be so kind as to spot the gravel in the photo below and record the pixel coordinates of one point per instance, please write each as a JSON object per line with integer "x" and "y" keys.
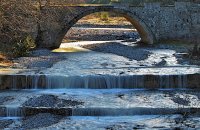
{"x": 40, "y": 120}
{"x": 41, "y": 58}
{"x": 92, "y": 34}
{"x": 51, "y": 101}
{"x": 125, "y": 126}
{"x": 121, "y": 50}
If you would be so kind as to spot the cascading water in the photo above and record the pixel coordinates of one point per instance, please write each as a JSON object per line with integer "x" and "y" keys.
{"x": 13, "y": 111}
{"x": 126, "y": 112}
{"x": 35, "y": 82}
{"x": 14, "y": 82}
{"x": 101, "y": 81}
{"x": 182, "y": 81}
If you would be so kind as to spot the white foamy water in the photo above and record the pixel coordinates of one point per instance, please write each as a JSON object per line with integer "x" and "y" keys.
{"x": 94, "y": 63}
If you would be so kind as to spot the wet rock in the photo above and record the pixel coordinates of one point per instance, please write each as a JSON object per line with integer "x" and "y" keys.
{"x": 162, "y": 63}
{"x": 179, "y": 120}
{"x": 177, "y": 128}
{"x": 5, "y": 123}
{"x": 5, "y": 99}
{"x": 121, "y": 73}
{"x": 113, "y": 65}
{"x": 139, "y": 126}
{"x": 158, "y": 127}
{"x": 180, "y": 101}
{"x": 41, "y": 73}
{"x": 121, "y": 96}
{"x": 104, "y": 64}
{"x": 127, "y": 63}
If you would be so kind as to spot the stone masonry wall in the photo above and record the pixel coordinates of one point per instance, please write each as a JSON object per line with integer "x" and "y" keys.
{"x": 178, "y": 22}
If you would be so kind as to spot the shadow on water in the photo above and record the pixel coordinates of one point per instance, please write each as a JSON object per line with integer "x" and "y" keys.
{"x": 117, "y": 48}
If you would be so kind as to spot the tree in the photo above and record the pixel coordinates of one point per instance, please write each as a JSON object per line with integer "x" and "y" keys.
{"x": 17, "y": 18}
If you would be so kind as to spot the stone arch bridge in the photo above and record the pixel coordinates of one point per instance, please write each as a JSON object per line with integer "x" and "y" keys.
{"x": 154, "y": 22}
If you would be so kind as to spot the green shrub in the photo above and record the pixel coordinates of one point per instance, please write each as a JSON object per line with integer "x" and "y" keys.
{"x": 104, "y": 16}
{"x": 23, "y": 47}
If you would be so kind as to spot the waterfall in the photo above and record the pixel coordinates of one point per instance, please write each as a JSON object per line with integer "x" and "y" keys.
{"x": 104, "y": 81}
{"x": 173, "y": 81}
{"x": 14, "y": 82}
{"x": 95, "y": 82}
{"x": 35, "y": 81}
{"x": 182, "y": 81}
{"x": 13, "y": 111}
{"x": 127, "y": 111}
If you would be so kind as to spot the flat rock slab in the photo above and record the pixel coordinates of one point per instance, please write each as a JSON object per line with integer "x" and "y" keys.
{"x": 48, "y": 121}
{"x": 51, "y": 101}
{"x": 110, "y": 98}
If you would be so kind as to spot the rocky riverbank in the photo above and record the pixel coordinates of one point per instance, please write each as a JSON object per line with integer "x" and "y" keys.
{"x": 41, "y": 58}
{"x": 104, "y": 40}
{"x": 101, "y": 34}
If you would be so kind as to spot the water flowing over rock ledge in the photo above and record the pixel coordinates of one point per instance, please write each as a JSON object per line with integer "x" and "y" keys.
{"x": 37, "y": 106}
{"x": 28, "y": 111}
{"x": 190, "y": 81}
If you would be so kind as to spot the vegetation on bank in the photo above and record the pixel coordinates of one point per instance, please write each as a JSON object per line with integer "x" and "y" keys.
{"x": 16, "y": 18}
{"x": 23, "y": 47}
{"x": 19, "y": 23}
{"x": 17, "y": 49}
{"x": 104, "y": 18}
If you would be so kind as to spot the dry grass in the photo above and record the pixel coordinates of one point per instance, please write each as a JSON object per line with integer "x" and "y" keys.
{"x": 94, "y": 19}
{"x": 5, "y": 53}
{"x": 4, "y": 62}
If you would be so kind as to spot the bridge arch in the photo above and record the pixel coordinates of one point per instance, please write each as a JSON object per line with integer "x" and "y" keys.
{"x": 144, "y": 31}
